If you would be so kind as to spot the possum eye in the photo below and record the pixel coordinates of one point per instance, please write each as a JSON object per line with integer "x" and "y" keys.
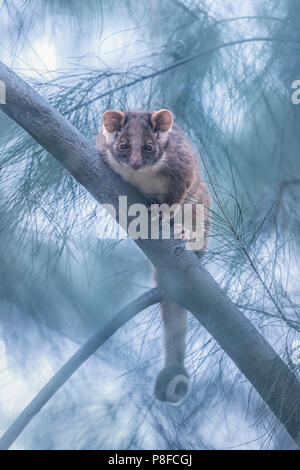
{"x": 123, "y": 145}
{"x": 149, "y": 147}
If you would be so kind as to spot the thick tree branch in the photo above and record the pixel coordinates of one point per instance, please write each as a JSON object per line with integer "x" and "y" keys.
{"x": 184, "y": 279}
{"x": 151, "y": 297}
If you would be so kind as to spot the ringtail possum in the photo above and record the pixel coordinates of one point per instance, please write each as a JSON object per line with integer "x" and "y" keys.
{"x": 150, "y": 151}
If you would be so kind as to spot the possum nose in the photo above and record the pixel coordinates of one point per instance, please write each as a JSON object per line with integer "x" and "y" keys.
{"x": 136, "y": 165}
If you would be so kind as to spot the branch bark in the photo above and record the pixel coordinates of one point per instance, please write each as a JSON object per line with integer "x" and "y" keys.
{"x": 184, "y": 279}
{"x": 147, "y": 299}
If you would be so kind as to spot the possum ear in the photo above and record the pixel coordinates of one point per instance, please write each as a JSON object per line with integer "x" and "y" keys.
{"x": 162, "y": 120}
{"x": 113, "y": 120}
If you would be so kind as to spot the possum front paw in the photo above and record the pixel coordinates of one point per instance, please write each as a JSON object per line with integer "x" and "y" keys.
{"x": 184, "y": 233}
{"x": 172, "y": 384}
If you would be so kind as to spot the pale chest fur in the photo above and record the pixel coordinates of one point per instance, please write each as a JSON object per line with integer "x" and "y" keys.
{"x": 149, "y": 181}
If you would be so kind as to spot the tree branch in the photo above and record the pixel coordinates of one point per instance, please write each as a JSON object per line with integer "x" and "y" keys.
{"x": 184, "y": 61}
{"x": 84, "y": 352}
{"x": 184, "y": 279}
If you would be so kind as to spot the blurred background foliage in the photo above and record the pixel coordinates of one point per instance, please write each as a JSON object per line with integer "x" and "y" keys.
{"x": 60, "y": 281}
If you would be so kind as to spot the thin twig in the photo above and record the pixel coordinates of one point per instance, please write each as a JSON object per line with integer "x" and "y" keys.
{"x": 243, "y": 247}
{"x": 179, "y": 63}
{"x": 147, "y": 299}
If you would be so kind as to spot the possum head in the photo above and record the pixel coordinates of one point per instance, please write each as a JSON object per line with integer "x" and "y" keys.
{"x": 137, "y": 140}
